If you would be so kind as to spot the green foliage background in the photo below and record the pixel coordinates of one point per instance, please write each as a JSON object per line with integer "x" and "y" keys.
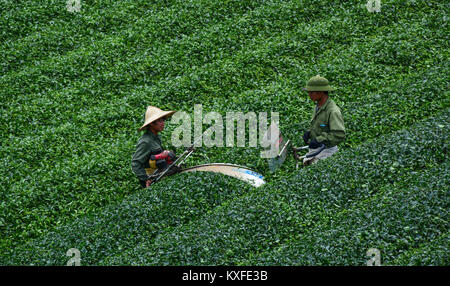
{"x": 74, "y": 88}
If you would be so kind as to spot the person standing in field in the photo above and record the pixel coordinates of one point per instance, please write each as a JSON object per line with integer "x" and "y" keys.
{"x": 149, "y": 155}
{"x": 327, "y": 124}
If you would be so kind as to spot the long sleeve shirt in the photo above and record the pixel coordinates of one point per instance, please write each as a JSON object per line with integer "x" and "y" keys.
{"x": 149, "y": 144}
{"x": 327, "y": 124}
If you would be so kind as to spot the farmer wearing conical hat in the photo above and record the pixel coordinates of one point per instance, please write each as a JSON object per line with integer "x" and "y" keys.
{"x": 327, "y": 124}
{"x": 150, "y": 155}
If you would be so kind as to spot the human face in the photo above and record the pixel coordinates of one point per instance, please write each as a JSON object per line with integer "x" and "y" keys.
{"x": 158, "y": 125}
{"x": 316, "y": 95}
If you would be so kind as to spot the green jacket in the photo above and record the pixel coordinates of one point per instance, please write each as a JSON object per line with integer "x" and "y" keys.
{"x": 327, "y": 124}
{"x": 149, "y": 144}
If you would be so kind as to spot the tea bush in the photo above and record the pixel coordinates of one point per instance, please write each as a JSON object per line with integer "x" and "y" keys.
{"x": 289, "y": 207}
{"x": 143, "y": 215}
{"x": 431, "y": 253}
{"x": 74, "y": 87}
{"x": 396, "y": 220}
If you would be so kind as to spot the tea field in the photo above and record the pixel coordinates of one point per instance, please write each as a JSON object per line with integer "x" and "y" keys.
{"x": 74, "y": 87}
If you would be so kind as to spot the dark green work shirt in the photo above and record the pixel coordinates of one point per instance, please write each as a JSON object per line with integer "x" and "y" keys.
{"x": 149, "y": 144}
{"x": 327, "y": 124}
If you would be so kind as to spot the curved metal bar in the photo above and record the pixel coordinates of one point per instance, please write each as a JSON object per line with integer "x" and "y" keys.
{"x": 239, "y": 172}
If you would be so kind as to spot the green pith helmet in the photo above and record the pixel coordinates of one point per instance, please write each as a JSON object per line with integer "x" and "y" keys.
{"x": 318, "y": 83}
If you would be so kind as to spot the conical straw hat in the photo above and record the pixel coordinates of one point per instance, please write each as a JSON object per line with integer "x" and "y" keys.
{"x": 154, "y": 113}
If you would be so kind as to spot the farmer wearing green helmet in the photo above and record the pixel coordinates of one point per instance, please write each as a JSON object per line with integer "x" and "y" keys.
{"x": 327, "y": 125}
